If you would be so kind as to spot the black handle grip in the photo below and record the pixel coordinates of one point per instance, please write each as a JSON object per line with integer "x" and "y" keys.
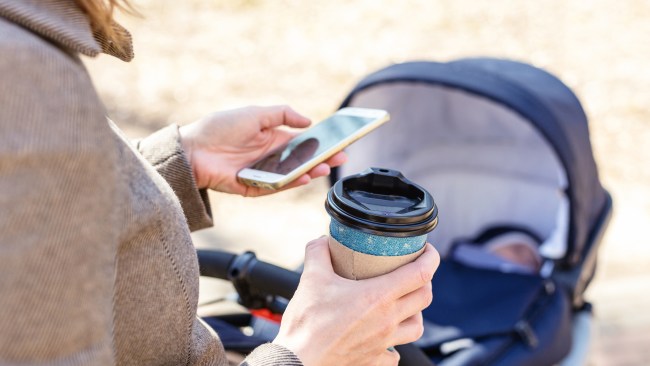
{"x": 260, "y": 276}
{"x": 411, "y": 355}
{"x": 272, "y": 279}
{"x": 215, "y": 263}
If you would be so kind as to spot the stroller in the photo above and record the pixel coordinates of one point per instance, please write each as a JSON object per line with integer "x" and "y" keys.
{"x": 504, "y": 149}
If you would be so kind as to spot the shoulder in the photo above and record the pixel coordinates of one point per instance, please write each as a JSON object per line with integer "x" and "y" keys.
{"x": 43, "y": 84}
{"x": 21, "y": 48}
{"x": 32, "y": 65}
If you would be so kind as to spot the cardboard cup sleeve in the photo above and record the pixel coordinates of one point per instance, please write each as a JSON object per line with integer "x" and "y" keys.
{"x": 354, "y": 265}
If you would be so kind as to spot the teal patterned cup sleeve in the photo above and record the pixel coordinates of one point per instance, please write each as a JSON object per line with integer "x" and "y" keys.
{"x": 372, "y": 244}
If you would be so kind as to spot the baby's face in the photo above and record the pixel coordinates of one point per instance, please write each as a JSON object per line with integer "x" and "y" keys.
{"x": 518, "y": 253}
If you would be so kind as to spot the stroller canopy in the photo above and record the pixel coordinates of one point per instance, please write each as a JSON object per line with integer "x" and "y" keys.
{"x": 488, "y": 121}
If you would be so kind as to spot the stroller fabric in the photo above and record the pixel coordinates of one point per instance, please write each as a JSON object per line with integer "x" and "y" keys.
{"x": 501, "y": 144}
{"x": 493, "y": 94}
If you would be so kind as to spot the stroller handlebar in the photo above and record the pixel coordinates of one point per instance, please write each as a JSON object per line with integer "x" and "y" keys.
{"x": 253, "y": 279}
{"x": 273, "y": 279}
{"x": 214, "y": 263}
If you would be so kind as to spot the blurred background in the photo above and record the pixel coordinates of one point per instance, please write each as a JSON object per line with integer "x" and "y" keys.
{"x": 194, "y": 57}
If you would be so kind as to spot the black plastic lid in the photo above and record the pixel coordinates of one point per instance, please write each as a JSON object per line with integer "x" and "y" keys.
{"x": 382, "y": 202}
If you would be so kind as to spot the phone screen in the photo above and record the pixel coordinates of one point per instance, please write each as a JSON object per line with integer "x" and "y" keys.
{"x": 312, "y": 142}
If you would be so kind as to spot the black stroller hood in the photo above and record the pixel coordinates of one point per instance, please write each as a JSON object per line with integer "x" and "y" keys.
{"x": 541, "y": 99}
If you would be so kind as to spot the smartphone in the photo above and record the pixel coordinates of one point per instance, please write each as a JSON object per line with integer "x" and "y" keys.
{"x": 311, "y": 147}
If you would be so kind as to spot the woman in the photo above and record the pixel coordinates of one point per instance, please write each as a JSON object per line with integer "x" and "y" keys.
{"x": 96, "y": 260}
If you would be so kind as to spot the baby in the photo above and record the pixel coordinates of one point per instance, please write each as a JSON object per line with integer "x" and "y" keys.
{"x": 507, "y": 249}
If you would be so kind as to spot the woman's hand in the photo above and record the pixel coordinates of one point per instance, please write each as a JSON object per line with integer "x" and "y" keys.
{"x": 335, "y": 321}
{"x": 222, "y": 143}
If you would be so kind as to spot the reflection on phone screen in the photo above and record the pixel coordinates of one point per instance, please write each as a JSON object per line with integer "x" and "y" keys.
{"x": 277, "y": 163}
{"x": 312, "y": 142}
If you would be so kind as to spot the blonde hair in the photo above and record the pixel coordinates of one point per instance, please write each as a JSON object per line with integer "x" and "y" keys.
{"x": 100, "y": 16}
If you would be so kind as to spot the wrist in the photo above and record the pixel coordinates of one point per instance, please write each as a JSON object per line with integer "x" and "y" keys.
{"x": 187, "y": 144}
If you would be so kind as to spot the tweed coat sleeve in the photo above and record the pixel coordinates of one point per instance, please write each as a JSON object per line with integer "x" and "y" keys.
{"x": 164, "y": 151}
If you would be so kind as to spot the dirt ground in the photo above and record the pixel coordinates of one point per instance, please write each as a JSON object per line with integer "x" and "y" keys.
{"x": 195, "y": 56}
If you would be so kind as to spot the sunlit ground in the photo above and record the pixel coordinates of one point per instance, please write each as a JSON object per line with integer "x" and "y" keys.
{"x": 194, "y": 56}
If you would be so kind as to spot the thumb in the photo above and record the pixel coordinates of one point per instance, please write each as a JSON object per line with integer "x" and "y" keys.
{"x": 275, "y": 116}
{"x": 317, "y": 256}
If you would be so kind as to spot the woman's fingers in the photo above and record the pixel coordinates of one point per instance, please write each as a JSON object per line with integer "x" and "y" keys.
{"x": 319, "y": 170}
{"x": 317, "y": 256}
{"x": 410, "y": 277}
{"x": 414, "y": 302}
{"x": 324, "y": 169}
{"x": 410, "y": 330}
{"x": 279, "y": 115}
{"x": 337, "y": 159}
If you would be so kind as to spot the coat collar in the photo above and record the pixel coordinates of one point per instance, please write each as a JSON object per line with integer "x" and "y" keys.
{"x": 64, "y": 23}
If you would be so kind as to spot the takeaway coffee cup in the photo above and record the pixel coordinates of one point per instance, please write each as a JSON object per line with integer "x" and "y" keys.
{"x": 380, "y": 221}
